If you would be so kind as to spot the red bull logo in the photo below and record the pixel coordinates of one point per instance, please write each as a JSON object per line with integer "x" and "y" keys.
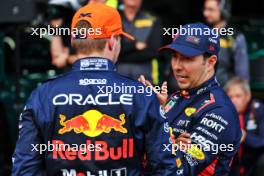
{"x": 77, "y": 124}
{"x": 92, "y": 123}
{"x": 123, "y": 151}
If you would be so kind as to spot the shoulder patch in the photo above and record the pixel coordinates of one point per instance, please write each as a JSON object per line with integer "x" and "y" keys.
{"x": 169, "y": 105}
{"x": 207, "y": 102}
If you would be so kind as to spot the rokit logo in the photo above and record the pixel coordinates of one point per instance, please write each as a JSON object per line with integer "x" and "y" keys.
{"x": 112, "y": 172}
{"x": 212, "y": 124}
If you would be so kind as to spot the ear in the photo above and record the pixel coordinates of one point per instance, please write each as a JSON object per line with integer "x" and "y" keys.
{"x": 111, "y": 42}
{"x": 249, "y": 96}
{"x": 212, "y": 61}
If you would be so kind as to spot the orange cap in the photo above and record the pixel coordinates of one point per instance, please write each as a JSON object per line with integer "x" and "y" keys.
{"x": 105, "y": 21}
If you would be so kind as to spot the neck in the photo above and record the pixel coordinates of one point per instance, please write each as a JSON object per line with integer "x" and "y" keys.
{"x": 94, "y": 54}
{"x": 209, "y": 76}
{"x": 206, "y": 78}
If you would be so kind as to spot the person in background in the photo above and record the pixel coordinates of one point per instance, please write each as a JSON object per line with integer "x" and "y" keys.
{"x": 251, "y": 115}
{"x": 233, "y": 56}
{"x": 110, "y": 3}
{"x": 60, "y": 15}
{"x": 140, "y": 56}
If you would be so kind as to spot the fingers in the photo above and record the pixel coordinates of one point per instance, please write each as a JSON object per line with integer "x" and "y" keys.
{"x": 183, "y": 141}
{"x": 148, "y": 83}
{"x": 142, "y": 79}
{"x": 162, "y": 99}
{"x": 162, "y": 96}
{"x": 164, "y": 93}
{"x": 164, "y": 84}
{"x": 185, "y": 135}
{"x": 164, "y": 88}
{"x": 184, "y": 147}
{"x": 184, "y": 138}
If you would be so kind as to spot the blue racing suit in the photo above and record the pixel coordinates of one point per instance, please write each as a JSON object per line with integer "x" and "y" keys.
{"x": 92, "y": 121}
{"x": 212, "y": 121}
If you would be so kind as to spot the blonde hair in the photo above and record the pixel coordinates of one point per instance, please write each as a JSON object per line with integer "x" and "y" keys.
{"x": 237, "y": 81}
{"x": 86, "y": 45}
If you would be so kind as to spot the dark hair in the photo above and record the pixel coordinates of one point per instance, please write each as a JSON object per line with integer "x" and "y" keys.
{"x": 208, "y": 55}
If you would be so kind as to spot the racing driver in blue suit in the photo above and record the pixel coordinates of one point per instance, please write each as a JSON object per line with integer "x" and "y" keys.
{"x": 92, "y": 121}
{"x": 203, "y": 120}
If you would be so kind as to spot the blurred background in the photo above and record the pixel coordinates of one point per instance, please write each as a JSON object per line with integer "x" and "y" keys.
{"x": 27, "y": 60}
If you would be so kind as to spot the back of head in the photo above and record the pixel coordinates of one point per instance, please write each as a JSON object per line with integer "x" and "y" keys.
{"x": 237, "y": 81}
{"x": 84, "y": 45}
{"x": 92, "y": 27}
